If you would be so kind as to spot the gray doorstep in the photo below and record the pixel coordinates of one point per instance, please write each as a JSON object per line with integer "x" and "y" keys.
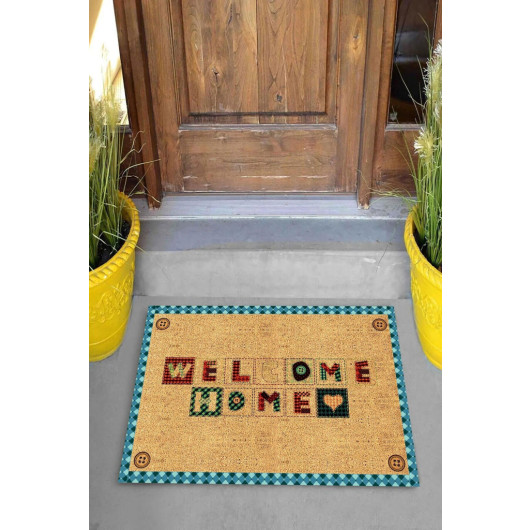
{"x": 289, "y": 273}
{"x": 203, "y": 507}
{"x": 272, "y": 246}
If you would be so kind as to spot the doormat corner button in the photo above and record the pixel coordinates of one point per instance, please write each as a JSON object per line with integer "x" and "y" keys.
{"x": 379, "y": 324}
{"x": 162, "y": 323}
{"x": 396, "y": 463}
{"x": 142, "y": 459}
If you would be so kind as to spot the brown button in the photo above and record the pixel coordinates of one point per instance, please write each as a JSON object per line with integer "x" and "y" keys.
{"x": 162, "y": 323}
{"x": 142, "y": 459}
{"x": 396, "y": 463}
{"x": 379, "y": 324}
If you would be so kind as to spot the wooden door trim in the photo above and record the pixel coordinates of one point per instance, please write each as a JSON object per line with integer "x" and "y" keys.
{"x": 131, "y": 40}
{"x": 372, "y": 96}
{"x": 438, "y": 23}
{"x": 384, "y": 164}
{"x": 353, "y": 29}
{"x": 259, "y": 126}
{"x": 165, "y": 97}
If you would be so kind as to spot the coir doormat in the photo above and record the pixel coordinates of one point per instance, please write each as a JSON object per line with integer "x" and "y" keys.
{"x": 270, "y": 395}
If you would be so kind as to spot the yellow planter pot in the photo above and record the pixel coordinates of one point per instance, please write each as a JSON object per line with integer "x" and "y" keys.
{"x": 111, "y": 287}
{"x": 426, "y": 288}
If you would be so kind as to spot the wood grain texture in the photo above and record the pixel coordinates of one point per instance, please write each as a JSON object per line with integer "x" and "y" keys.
{"x": 330, "y": 114}
{"x": 259, "y": 159}
{"x": 333, "y": 60}
{"x": 438, "y": 23}
{"x": 387, "y": 56}
{"x": 390, "y": 167}
{"x": 132, "y": 17}
{"x": 370, "y": 104}
{"x": 393, "y": 173}
{"x": 164, "y": 91}
{"x": 179, "y": 55}
{"x": 352, "y": 53}
{"x": 125, "y": 59}
{"x": 319, "y": 47}
{"x": 221, "y": 55}
{"x": 292, "y": 51}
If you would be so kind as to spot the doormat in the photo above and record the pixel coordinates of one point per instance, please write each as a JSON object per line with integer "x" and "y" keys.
{"x": 292, "y": 395}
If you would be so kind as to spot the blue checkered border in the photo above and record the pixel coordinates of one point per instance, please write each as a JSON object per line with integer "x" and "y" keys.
{"x": 300, "y": 479}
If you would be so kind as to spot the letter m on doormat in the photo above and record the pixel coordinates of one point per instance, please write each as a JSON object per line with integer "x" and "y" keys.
{"x": 178, "y": 371}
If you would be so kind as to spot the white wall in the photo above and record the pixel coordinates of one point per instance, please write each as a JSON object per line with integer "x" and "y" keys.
{"x": 104, "y": 66}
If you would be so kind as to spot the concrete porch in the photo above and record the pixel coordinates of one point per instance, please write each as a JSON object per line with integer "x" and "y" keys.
{"x": 236, "y": 250}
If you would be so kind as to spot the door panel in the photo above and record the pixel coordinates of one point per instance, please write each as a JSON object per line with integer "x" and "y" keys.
{"x": 316, "y": 89}
{"x": 268, "y": 158}
{"x": 221, "y": 51}
{"x": 292, "y": 55}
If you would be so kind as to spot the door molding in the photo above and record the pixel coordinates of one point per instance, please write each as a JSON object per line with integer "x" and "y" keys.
{"x": 133, "y": 55}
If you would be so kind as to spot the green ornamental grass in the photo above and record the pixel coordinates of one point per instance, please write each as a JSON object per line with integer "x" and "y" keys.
{"x": 105, "y": 158}
{"x": 427, "y": 173}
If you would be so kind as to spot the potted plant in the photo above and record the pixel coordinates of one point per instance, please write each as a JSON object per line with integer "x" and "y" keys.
{"x": 114, "y": 229}
{"x": 423, "y": 228}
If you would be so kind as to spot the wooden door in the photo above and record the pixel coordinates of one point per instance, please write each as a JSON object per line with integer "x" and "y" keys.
{"x": 247, "y": 95}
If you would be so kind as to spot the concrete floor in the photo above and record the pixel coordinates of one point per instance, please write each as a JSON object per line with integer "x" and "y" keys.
{"x": 167, "y": 506}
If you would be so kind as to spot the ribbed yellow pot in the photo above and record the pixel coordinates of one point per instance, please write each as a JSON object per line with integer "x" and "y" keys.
{"x": 111, "y": 287}
{"x": 426, "y": 288}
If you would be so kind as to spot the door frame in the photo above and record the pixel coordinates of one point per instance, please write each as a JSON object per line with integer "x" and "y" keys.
{"x": 368, "y": 154}
{"x": 382, "y": 164}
